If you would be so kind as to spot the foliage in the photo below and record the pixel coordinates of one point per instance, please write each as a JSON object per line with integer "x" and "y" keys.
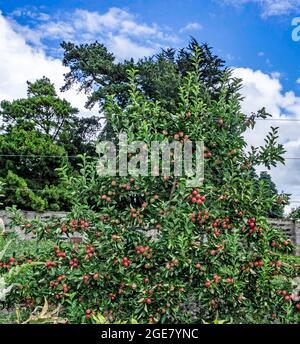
{"x": 4, "y": 290}
{"x": 217, "y": 322}
{"x": 81, "y": 136}
{"x": 101, "y": 320}
{"x": 22, "y": 196}
{"x": 294, "y": 214}
{"x": 42, "y": 109}
{"x": 144, "y": 247}
{"x": 1, "y": 191}
{"x": 19, "y": 247}
{"x": 40, "y": 132}
{"x": 28, "y": 164}
{"x": 277, "y": 209}
{"x": 29, "y": 151}
{"x": 45, "y": 316}
{"x": 94, "y": 68}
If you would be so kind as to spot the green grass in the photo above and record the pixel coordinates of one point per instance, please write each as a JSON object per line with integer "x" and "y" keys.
{"x": 19, "y": 247}
{"x": 7, "y": 317}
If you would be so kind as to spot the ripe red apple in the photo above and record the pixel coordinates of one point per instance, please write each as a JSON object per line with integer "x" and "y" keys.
{"x": 217, "y": 278}
{"x": 229, "y": 280}
{"x": 96, "y": 276}
{"x": 207, "y": 284}
{"x": 65, "y": 288}
{"x": 217, "y": 233}
{"x": 148, "y": 300}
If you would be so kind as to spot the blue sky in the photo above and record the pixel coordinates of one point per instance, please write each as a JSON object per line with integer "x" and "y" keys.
{"x": 249, "y": 35}
{"x": 253, "y": 36}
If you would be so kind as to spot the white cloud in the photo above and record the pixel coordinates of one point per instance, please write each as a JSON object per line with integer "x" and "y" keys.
{"x": 269, "y": 7}
{"x": 191, "y": 27}
{"x": 116, "y": 26}
{"x": 95, "y": 22}
{"x": 276, "y": 75}
{"x": 31, "y": 12}
{"x": 30, "y": 36}
{"x": 25, "y": 55}
{"x": 20, "y": 62}
{"x": 56, "y": 30}
{"x": 263, "y": 90}
{"x": 118, "y": 21}
{"x": 298, "y": 81}
{"x": 123, "y": 46}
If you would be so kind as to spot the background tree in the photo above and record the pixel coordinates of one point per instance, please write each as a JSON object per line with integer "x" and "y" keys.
{"x": 82, "y": 135}
{"x": 1, "y": 191}
{"x": 45, "y": 112}
{"x": 41, "y": 133}
{"x": 94, "y": 69}
{"x": 42, "y": 108}
{"x": 28, "y": 164}
{"x": 294, "y": 214}
{"x": 280, "y": 200}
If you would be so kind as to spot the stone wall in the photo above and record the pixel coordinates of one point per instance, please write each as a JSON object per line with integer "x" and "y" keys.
{"x": 289, "y": 227}
{"x": 30, "y": 215}
{"x": 297, "y": 237}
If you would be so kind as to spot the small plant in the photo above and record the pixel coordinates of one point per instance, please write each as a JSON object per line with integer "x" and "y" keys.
{"x": 218, "y": 322}
{"x": 101, "y": 320}
{"x": 4, "y": 289}
{"x": 43, "y": 315}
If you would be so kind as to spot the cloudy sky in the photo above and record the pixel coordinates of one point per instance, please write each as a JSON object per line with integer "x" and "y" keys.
{"x": 253, "y": 36}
